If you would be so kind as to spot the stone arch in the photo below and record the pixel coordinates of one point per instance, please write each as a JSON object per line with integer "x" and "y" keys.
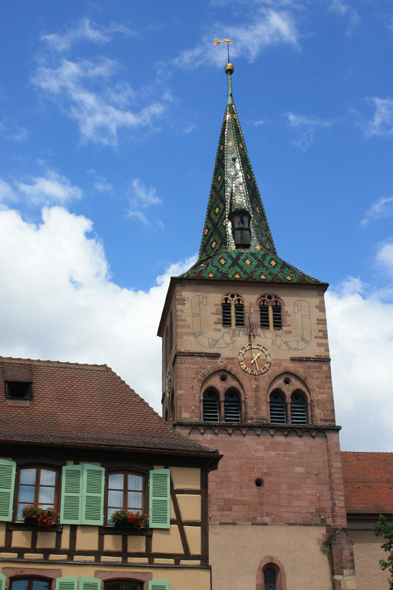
{"x": 222, "y": 379}
{"x": 288, "y": 382}
{"x": 271, "y": 562}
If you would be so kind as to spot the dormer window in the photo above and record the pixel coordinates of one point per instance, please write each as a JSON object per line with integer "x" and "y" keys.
{"x": 17, "y": 390}
{"x": 241, "y": 228}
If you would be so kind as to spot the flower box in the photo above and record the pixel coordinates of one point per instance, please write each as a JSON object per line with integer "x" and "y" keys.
{"x": 39, "y": 517}
{"x": 130, "y": 520}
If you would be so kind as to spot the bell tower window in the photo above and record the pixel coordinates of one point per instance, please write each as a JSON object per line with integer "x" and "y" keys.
{"x": 270, "y": 312}
{"x": 241, "y": 232}
{"x": 298, "y": 408}
{"x": 211, "y": 410}
{"x": 232, "y": 411}
{"x": 232, "y": 307}
{"x": 277, "y": 408}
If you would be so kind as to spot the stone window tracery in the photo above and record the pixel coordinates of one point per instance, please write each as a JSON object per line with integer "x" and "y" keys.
{"x": 232, "y": 307}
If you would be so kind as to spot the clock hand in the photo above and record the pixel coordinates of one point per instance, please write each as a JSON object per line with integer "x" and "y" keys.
{"x": 254, "y": 359}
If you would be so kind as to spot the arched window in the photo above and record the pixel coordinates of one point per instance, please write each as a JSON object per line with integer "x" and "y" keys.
{"x": 232, "y": 411}
{"x": 123, "y": 585}
{"x": 298, "y": 408}
{"x": 270, "y": 579}
{"x": 232, "y": 306}
{"x": 211, "y": 411}
{"x": 125, "y": 492}
{"x": 270, "y": 312}
{"x": 38, "y": 487}
{"x": 277, "y": 408}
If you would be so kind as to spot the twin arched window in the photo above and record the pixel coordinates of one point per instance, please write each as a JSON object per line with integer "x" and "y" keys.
{"x": 232, "y": 308}
{"x": 278, "y": 410}
{"x": 270, "y": 312}
{"x": 211, "y": 406}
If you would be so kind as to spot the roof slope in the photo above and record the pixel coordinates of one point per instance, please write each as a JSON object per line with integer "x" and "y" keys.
{"x": 368, "y": 482}
{"x": 234, "y": 188}
{"x": 82, "y": 403}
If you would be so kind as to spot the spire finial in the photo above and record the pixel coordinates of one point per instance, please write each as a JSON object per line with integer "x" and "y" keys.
{"x": 228, "y": 68}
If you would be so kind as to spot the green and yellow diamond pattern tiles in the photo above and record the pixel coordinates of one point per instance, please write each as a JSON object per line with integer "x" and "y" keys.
{"x": 250, "y": 265}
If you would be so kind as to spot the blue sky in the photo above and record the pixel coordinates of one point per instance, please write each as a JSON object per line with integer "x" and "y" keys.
{"x": 110, "y": 114}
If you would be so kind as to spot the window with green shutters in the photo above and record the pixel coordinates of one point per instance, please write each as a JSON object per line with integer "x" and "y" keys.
{"x": 82, "y": 494}
{"x": 89, "y": 583}
{"x": 7, "y": 486}
{"x": 2, "y": 582}
{"x": 159, "y": 499}
{"x": 159, "y": 585}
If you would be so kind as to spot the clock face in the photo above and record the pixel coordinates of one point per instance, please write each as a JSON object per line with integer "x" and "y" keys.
{"x": 254, "y": 359}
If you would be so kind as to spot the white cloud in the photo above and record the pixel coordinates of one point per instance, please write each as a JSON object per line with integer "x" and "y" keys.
{"x": 382, "y": 122}
{"x": 345, "y": 9}
{"x": 308, "y": 127}
{"x": 268, "y": 27}
{"x": 385, "y": 257}
{"x": 85, "y": 30}
{"x": 380, "y": 209}
{"x": 52, "y": 188}
{"x": 141, "y": 197}
{"x": 85, "y": 91}
{"x": 101, "y": 185}
{"x": 58, "y": 301}
{"x": 361, "y": 344}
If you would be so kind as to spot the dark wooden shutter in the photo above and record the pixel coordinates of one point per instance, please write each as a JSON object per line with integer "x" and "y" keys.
{"x": 277, "y": 409}
{"x": 298, "y": 409}
{"x": 226, "y": 315}
{"x": 277, "y": 317}
{"x": 232, "y": 407}
{"x": 264, "y": 316}
{"x": 210, "y": 407}
{"x": 239, "y": 315}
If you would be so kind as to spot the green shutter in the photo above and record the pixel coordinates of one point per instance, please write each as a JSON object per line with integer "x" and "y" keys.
{"x": 159, "y": 585}
{"x": 89, "y": 583}
{"x": 2, "y": 582}
{"x": 70, "y": 583}
{"x": 7, "y": 486}
{"x": 71, "y": 495}
{"x": 93, "y": 494}
{"x": 159, "y": 498}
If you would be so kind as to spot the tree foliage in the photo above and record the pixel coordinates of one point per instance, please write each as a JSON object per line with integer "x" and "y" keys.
{"x": 384, "y": 529}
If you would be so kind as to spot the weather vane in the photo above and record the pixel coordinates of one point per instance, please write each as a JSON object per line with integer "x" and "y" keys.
{"x": 226, "y": 41}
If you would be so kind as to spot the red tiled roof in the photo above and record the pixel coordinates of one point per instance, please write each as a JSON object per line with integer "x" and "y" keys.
{"x": 73, "y": 403}
{"x": 368, "y": 482}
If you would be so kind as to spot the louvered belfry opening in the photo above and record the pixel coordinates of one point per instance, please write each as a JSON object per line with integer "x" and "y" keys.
{"x": 211, "y": 412}
{"x": 298, "y": 408}
{"x": 270, "y": 579}
{"x": 277, "y": 317}
{"x": 226, "y": 315}
{"x": 270, "y": 312}
{"x": 232, "y": 407}
{"x": 240, "y": 221}
{"x": 264, "y": 316}
{"x": 277, "y": 408}
{"x": 232, "y": 307}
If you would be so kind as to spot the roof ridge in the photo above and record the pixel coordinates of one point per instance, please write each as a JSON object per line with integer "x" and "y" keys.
{"x": 48, "y": 361}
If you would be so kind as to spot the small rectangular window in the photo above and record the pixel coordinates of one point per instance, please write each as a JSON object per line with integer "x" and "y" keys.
{"x": 17, "y": 390}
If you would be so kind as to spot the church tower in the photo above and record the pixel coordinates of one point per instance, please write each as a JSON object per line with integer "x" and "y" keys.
{"x": 246, "y": 370}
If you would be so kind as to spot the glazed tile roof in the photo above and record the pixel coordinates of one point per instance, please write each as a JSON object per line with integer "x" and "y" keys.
{"x": 76, "y": 404}
{"x": 368, "y": 482}
{"x": 234, "y": 188}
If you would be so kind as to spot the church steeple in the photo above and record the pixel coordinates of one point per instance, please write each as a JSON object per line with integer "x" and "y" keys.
{"x": 236, "y": 240}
